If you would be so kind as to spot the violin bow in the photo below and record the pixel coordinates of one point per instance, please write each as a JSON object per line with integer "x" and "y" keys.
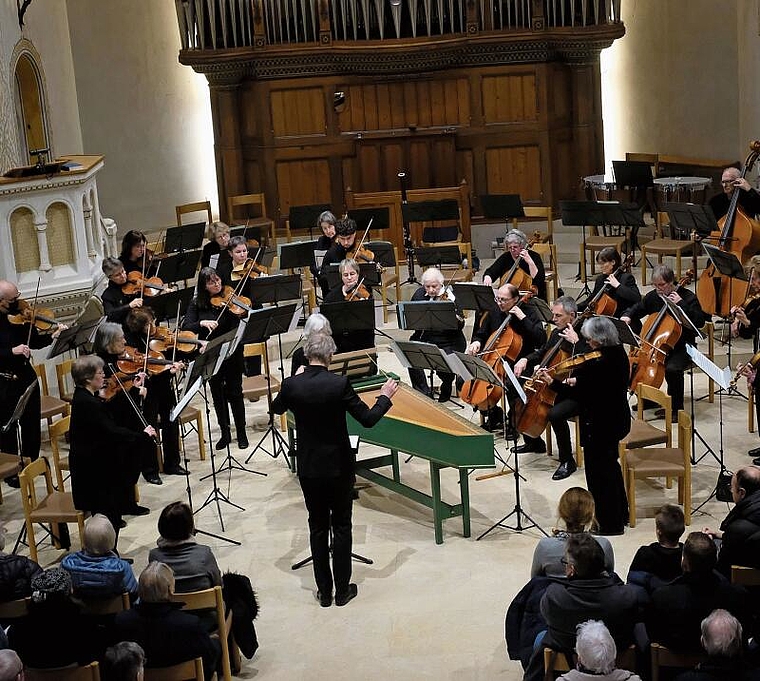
{"x": 356, "y": 288}
{"x": 34, "y": 310}
{"x": 139, "y": 413}
{"x": 366, "y": 232}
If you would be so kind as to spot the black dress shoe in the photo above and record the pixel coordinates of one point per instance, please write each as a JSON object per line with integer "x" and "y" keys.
{"x": 752, "y": 452}
{"x": 242, "y": 441}
{"x": 342, "y": 599}
{"x": 756, "y": 461}
{"x": 536, "y": 446}
{"x": 325, "y": 600}
{"x": 122, "y": 524}
{"x": 565, "y": 470}
{"x": 175, "y": 470}
{"x": 13, "y": 481}
{"x": 445, "y": 394}
{"x": 153, "y": 478}
{"x": 226, "y": 439}
{"x": 610, "y": 532}
{"x": 137, "y": 510}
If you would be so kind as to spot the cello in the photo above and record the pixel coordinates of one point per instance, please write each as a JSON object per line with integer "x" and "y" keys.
{"x": 659, "y": 336}
{"x": 740, "y": 235}
{"x": 603, "y": 303}
{"x": 516, "y": 275}
{"x": 504, "y": 343}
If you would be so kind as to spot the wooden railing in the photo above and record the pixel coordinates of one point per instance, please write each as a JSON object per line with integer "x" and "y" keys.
{"x": 228, "y": 24}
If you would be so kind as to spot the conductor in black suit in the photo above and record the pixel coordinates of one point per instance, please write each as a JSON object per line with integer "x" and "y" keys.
{"x": 319, "y": 401}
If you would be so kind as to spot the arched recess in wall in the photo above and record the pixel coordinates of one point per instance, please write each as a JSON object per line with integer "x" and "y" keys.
{"x": 60, "y": 234}
{"x": 26, "y": 254}
{"x": 31, "y": 101}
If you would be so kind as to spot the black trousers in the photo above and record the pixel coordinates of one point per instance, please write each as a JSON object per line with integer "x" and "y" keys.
{"x": 10, "y": 392}
{"x": 227, "y": 387}
{"x": 604, "y": 480}
{"x": 158, "y": 405}
{"x": 329, "y": 502}
{"x": 675, "y": 366}
{"x": 559, "y": 414}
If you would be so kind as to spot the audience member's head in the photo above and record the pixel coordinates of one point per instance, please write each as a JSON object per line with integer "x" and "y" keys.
{"x": 584, "y": 557}
{"x": 124, "y": 662}
{"x": 51, "y": 585}
{"x": 699, "y": 554}
{"x": 99, "y": 536}
{"x": 11, "y": 667}
{"x": 176, "y": 522}
{"x": 722, "y": 635}
{"x": 576, "y": 510}
{"x": 745, "y": 482}
{"x": 595, "y": 647}
{"x": 669, "y": 525}
{"x": 156, "y": 583}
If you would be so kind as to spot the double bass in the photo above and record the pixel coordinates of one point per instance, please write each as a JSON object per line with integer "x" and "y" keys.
{"x": 740, "y": 235}
{"x": 659, "y": 336}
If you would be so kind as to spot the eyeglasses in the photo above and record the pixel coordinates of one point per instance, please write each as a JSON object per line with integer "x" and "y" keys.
{"x": 727, "y": 183}
{"x": 503, "y": 300}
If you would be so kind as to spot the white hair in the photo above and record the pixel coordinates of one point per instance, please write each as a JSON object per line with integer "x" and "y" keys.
{"x": 432, "y": 274}
{"x": 317, "y": 323}
{"x": 595, "y": 647}
{"x": 722, "y": 634}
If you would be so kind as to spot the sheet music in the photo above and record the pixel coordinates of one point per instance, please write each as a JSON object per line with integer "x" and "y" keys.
{"x": 721, "y": 376}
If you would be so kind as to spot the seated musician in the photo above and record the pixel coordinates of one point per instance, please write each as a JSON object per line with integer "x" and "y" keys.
{"x": 117, "y": 304}
{"x": 564, "y": 313}
{"x": 327, "y": 222}
{"x": 515, "y": 245}
{"x": 677, "y": 361}
{"x": 160, "y": 399}
{"x": 345, "y": 239}
{"x": 524, "y": 321}
{"x": 731, "y": 181}
{"x": 227, "y": 385}
{"x": 219, "y": 235}
{"x": 133, "y": 252}
{"x": 619, "y": 285}
{"x": 432, "y": 289}
{"x": 350, "y": 289}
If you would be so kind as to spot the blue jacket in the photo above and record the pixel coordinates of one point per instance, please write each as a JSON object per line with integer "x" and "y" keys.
{"x": 99, "y": 576}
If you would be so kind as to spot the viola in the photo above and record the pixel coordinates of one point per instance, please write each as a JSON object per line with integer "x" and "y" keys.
{"x": 229, "y": 299}
{"x": 248, "y": 270}
{"x": 133, "y": 361}
{"x": 41, "y": 318}
{"x": 145, "y": 286}
{"x": 114, "y": 385}
{"x": 659, "y": 336}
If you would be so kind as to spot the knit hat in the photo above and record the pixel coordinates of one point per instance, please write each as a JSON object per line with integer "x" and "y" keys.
{"x": 52, "y": 583}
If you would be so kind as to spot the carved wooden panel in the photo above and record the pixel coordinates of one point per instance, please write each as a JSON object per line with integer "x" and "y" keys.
{"x": 298, "y": 111}
{"x": 514, "y": 170}
{"x": 509, "y": 98}
{"x": 303, "y": 183}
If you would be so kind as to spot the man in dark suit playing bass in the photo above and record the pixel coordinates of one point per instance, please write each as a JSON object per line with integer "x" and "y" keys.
{"x": 320, "y": 401}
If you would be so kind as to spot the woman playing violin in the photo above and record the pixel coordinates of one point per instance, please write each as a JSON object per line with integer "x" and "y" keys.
{"x": 605, "y": 419}
{"x": 621, "y": 288}
{"x": 17, "y": 372}
{"x": 116, "y": 303}
{"x": 433, "y": 289}
{"x": 227, "y": 385}
{"x": 351, "y": 289}
{"x": 515, "y": 245}
{"x": 160, "y": 399}
{"x": 345, "y": 238}
{"x": 133, "y": 247}
{"x": 219, "y": 235}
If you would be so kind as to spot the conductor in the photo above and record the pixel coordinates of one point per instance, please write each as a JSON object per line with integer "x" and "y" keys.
{"x": 319, "y": 401}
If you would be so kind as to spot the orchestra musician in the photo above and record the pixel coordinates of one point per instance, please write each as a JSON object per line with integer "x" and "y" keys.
{"x": 600, "y": 386}
{"x": 731, "y": 181}
{"x": 320, "y": 401}
{"x": 515, "y": 245}
{"x": 525, "y": 322}
{"x": 351, "y": 289}
{"x": 327, "y": 222}
{"x": 117, "y": 304}
{"x": 345, "y": 237}
{"x": 133, "y": 247}
{"x": 564, "y": 313}
{"x": 677, "y": 361}
{"x": 104, "y": 468}
{"x": 219, "y": 237}
{"x": 433, "y": 289}
{"x": 622, "y": 288}
{"x": 227, "y": 385}
{"x": 160, "y": 399}
{"x": 17, "y": 373}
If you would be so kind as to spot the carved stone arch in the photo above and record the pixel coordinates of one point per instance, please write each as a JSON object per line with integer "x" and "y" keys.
{"x": 31, "y": 100}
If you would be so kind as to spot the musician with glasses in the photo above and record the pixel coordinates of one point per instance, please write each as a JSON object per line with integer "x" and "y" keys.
{"x": 516, "y": 247}
{"x": 731, "y": 181}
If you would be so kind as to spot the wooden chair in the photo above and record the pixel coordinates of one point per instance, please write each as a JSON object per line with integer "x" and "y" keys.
{"x": 662, "y": 246}
{"x": 643, "y": 433}
{"x": 578, "y": 448}
{"x": 192, "y": 670}
{"x": 55, "y": 507}
{"x": 387, "y": 255}
{"x": 556, "y": 662}
{"x": 57, "y": 431}
{"x": 657, "y": 462}
{"x": 10, "y": 465}
{"x": 663, "y": 657}
{"x": 13, "y": 610}
{"x": 97, "y": 607}
{"x": 746, "y": 576}
{"x": 255, "y": 387}
{"x": 193, "y": 417}
{"x": 211, "y": 599}
{"x": 49, "y": 406}
{"x": 258, "y": 202}
{"x": 548, "y": 252}
{"x": 90, "y": 672}
{"x": 63, "y": 378}
{"x": 195, "y": 207}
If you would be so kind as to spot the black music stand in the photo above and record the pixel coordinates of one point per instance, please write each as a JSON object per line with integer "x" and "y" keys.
{"x": 637, "y": 174}
{"x": 478, "y": 297}
{"x": 425, "y": 211}
{"x": 686, "y": 218}
{"x": 184, "y": 237}
{"x": 166, "y": 305}
{"x": 180, "y": 266}
{"x": 248, "y": 232}
{"x": 505, "y": 207}
{"x": 276, "y": 288}
{"x": 306, "y": 217}
{"x": 436, "y": 256}
{"x": 296, "y": 255}
{"x": 379, "y": 217}
{"x": 262, "y": 325}
{"x": 73, "y": 337}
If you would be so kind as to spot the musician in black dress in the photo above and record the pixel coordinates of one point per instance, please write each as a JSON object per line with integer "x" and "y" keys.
{"x": 619, "y": 285}
{"x": 327, "y": 222}
{"x": 731, "y": 181}
{"x": 227, "y": 385}
{"x": 515, "y": 245}
{"x": 677, "y": 361}
{"x": 605, "y": 420}
{"x": 348, "y": 341}
{"x": 345, "y": 238}
{"x": 219, "y": 235}
{"x": 433, "y": 289}
{"x": 132, "y": 255}
{"x": 524, "y": 320}
{"x": 17, "y": 373}
{"x": 116, "y": 303}
{"x": 563, "y": 337}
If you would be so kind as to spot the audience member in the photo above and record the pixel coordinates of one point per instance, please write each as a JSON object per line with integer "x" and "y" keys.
{"x": 660, "y": 562}
{"x": 97, "y": 571}
{"x": 677, "y": 609}
{"x": 16, "y": 573}
{"x": 166, "y": 634}
{"x": 54, "y": 633}
{"x": 576, "y": 513}
{"x": 123, "y": 662}
{"x": 193, "y": 564}
{"x": 597, "y": 654}
{"x": 11, "y": 667}
{"x": 739, "y": 533}
{"x": 722, "y": 641}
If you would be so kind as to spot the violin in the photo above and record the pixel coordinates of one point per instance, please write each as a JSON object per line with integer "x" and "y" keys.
{"x": 145, "y": 286}
{"x": 248, "y": 270}
{"x": 358, "y": 292}
{"x": 41, "y": 318}
{"x": 360, "y": 254}
{"x": 659, "y": 336}
{"x": 603, "y": 303}
{"x": 163, "y": 339}
{"x": 114, "y": 385}
{"x": 229, "y": 299}
{"x": 133, "y": 361}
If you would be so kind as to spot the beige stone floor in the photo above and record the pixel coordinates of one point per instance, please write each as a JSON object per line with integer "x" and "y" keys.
{"x": 423, "y": 610}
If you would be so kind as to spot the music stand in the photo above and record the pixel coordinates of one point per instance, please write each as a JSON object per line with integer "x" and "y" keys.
{"x": 478, "y": 297}
{"x": 73, "y": 337}
{"x": 184, "y": 237}
{"x": 633, "y": 173}
{"x": 180, "y": 266}
{"x": 276, "y": 288}
{"x": 165, "y": 306}
{"x": 505, "y": 207}
{"x": 686, "y": 218}
{"x": 247, "y": 232}
{"x": 435, "y": 256}
{"x": 306, "y": 217}
{"x": 423, "y": 211}
{"x": 380, "y": 218}
{"x": 625, "y": 333}
{"x": 296, "y": 255}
